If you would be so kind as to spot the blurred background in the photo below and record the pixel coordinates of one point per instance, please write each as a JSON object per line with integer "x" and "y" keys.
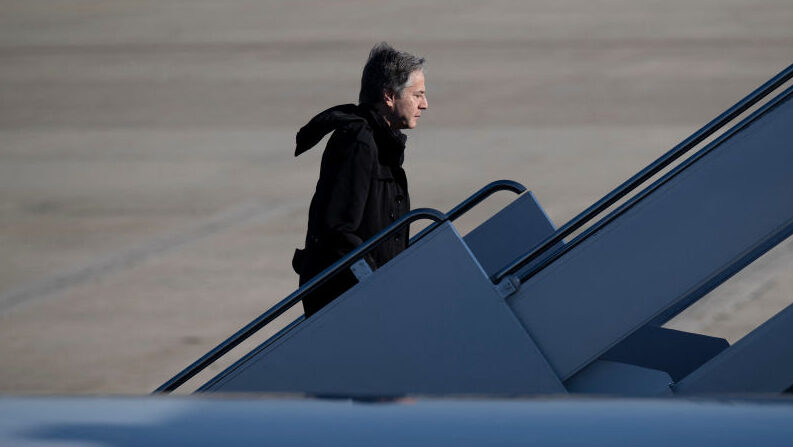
{"x": 150, "y": 202}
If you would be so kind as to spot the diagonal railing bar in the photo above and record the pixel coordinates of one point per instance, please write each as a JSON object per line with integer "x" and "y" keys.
{"x": 473, "y": 200}
{"x": 296, "y": 296}
{"x": 287, "y": 303}
{"x": 645, "y": 174}
{"x": 280, "y": 308}
{"x": 525, "y": 275}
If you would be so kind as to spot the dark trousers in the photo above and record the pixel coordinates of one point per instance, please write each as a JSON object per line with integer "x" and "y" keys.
{"x": 311, "y": 263}
{"x": 326, "y": 292}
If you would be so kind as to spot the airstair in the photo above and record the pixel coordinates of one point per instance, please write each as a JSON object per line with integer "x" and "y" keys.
{"x": 519, "y": 307}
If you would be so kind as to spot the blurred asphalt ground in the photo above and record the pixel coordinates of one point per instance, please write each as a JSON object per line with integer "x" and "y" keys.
{"x": 150, "y": 202}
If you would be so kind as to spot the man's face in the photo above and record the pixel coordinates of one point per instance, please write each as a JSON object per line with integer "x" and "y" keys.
{"x": 405, "y": 109}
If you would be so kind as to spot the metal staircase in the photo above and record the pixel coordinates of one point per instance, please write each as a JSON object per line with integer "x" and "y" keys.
{"x": 517, "y": 307}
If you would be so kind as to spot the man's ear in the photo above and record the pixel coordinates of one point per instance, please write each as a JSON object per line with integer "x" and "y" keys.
{"x": 388, "y": 98}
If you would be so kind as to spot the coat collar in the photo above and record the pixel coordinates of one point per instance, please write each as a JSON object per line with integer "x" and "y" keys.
{"x": 390, "y": 142}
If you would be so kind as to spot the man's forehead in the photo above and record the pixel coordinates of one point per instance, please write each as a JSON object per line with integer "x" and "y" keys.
{"x": 416, "y": 80}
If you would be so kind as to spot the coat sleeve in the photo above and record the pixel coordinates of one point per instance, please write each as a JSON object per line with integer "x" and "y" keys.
{"x": 348, "y": 189}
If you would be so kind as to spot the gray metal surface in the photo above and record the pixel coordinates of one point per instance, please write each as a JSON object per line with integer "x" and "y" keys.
{"x": 761, "y": 362}
{"x": 619, "y": 379}
{"x": 682, "y": 240}
{"x": 428, "y": 322}
{"x": 509, "y": 233}
{"x": 677, "y": 353}
{"x": 295, "y": 297}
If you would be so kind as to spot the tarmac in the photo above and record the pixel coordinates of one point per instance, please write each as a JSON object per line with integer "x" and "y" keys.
{"x": 150, "y": 201}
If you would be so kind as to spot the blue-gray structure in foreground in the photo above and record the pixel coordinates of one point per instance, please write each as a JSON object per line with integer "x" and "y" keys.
{"x": 154, "y": 422}
{"x": 513, "y": 308}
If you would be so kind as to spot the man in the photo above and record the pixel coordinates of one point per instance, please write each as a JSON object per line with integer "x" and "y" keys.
{"x": 362, "y": 187}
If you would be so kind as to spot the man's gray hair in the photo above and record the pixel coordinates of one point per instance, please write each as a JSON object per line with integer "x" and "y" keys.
{"x": 387, "y": 70}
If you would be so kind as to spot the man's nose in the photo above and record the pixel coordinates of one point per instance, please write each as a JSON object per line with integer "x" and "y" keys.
{"x": 424, "y": 105}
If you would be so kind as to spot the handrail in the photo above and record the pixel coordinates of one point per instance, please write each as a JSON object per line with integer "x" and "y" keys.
{"x": 285, "y": 330}
{"x": 473, "y": 200}
{"x": 482, "y": 194}
{"x": 642, "y": 176}
{"x": 287, "y": 303}
{"x": 343, "y": 263}
{"x": 525, "y": 275}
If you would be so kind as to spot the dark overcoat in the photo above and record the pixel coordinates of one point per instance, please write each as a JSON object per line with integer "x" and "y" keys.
{"x": 362, "y": 188}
